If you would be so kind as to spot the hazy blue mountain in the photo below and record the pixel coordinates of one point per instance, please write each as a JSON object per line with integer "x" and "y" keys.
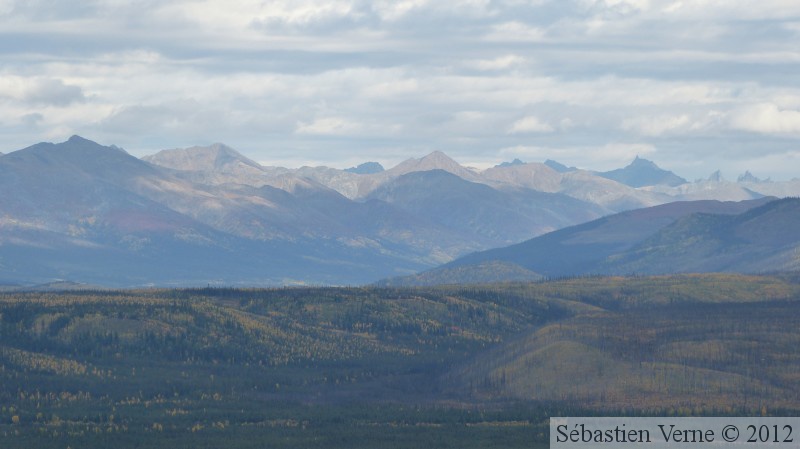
{"x": 88, "y": 213}
{"x": 488, "y": 216}
{"x": 510, "y": 164}
{"x": 641, "y": 173}
{"x": 766, "y": 238}
{"x": 716, "y": 177}
{"x": 76, "y": 210}
{"x": 559, "y": 167}
{"x": 588, "y": 248}
{"x": 748, "y": 177}
{"x": 367, "y": 168}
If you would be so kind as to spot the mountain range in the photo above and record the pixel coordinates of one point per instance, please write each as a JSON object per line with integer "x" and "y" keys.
{"x": 683, "y": 237}
{"x": 85, "y": 212}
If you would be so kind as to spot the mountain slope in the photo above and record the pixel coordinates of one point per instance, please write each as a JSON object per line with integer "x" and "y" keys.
{"x": 75, "y": 210}
{"x": 80, "y": 211}
{"x": 213, "y": 165}
{"x": 210, "y": 158}
{"x": 646, "y": 343}
{"x": 558, "y": 166}
{"x": 585, "y": 248}
{"x": 766, "y": 238}
{"x": 487, "y": 215}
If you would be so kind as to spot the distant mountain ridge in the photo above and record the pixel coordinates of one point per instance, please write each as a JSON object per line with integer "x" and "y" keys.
{"x": 559, "y": 167}
{"x": 510, "y": 164}
{"x": 702, "y": 236}
{"x": 88, "y": 213}
{"x": 662, "y": 186}
{"x": 367, "y": 168}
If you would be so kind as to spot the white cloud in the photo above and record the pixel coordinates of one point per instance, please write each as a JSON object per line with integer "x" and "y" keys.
{"x": 530, "y": 124}
{"x": 241, "y": 15}
{"x": 334, "y": 126}
{"x": 499, "y": 63}
{"x": 40, "y": 90}
{"x": 391, "y": 10}
{"x": 515, "y": 31}
{"x": 656, "y": 126}
{"x": 766, "y": 118}
{"x": 467, "y": 77}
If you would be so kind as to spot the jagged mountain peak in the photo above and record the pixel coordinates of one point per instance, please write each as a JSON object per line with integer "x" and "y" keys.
{"x": 642, "y": 162}
{"x": 716, "y": 177}
{"x": 513, "y": 163}
{"x": 641, "y": 173}
{"x": 748, "y": 177}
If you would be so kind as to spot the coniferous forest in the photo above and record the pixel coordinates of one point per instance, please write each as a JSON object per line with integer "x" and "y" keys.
{"x": 449, "y": 366}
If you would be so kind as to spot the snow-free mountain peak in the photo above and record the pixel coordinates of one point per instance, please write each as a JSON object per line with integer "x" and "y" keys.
{"x": 214, "y": 157}
{"x": 436, "y": 160}
{"x": 78, "y": 155}
{"x": 642, "y": 172}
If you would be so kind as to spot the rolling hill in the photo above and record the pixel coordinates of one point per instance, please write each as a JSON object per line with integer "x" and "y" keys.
{"x": 692, "y": 344}
{"x": 465, "y": 366}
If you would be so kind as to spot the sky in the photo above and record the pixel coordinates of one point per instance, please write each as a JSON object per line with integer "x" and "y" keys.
{"x": 694, "y": 85}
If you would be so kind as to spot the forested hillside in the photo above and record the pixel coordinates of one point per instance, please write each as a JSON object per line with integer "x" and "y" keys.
{"x": 480, "y": 366}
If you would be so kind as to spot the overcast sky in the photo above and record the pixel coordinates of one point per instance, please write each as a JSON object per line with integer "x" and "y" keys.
{"x": 694, "y": 85}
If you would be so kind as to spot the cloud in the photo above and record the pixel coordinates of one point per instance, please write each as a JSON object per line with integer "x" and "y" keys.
{"x": 54, "y": 92}
{"x": 766, "y": 118}
{"x": 40, "y": 91}
{"x": 514, "y": 32}
{"x": 530, "y": 124}
{"x": 499, "y": 63}
{"x": 331, "y": 80}
{"x": 392, "y": 10}
{"x": 656, "y": 126}
{"x": 333, "y": 126}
